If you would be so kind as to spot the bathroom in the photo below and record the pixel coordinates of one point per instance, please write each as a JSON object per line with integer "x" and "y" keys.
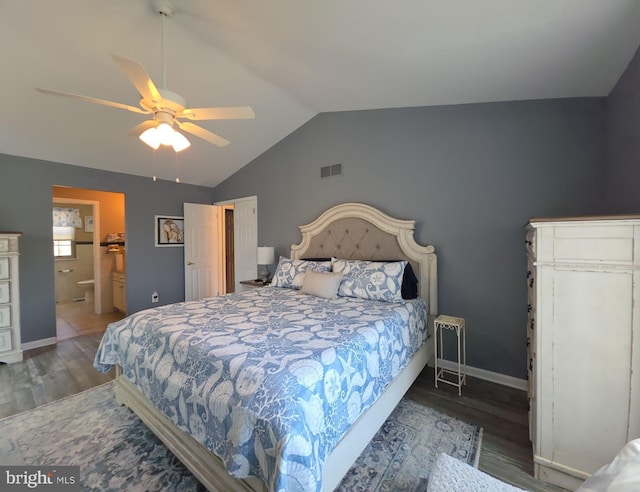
{"x": 70, "y": 272}
{"x": 85, "y": 287}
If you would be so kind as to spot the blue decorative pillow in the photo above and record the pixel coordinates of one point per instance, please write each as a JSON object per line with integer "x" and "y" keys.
{"x": 409, "y": 283}
{"x": 409, "y": 279}
{"x": 290, "y": 273}
{"x": 373, "y": 280}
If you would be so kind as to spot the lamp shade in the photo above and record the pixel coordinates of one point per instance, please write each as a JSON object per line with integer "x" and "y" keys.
{"x": 266, "y": 255}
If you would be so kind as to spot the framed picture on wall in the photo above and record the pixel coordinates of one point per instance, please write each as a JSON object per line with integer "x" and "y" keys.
{"x": 169, "y": 230}
{"x": 88, "y": 223}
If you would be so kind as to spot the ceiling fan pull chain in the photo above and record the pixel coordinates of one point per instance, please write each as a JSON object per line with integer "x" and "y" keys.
{"x": 177, "y": 168}
{"x": 155, "y": 165}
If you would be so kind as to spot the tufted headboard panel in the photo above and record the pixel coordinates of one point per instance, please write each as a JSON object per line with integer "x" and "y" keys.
{"x": 357, "y": 239}
{"x": 360, "y": 232}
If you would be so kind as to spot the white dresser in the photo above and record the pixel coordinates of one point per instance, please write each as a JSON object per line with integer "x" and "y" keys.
{"x": 583, "y": 336}
{"x": 10, "y": 343}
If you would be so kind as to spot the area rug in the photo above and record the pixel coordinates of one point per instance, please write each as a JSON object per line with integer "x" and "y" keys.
{"x": 116, "y": 451}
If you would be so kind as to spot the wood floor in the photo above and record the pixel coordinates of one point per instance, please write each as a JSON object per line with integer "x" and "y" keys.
{"x": 506, "y": 451}
{"x": 50, "y": 373}
{"x": 54, "y": 372}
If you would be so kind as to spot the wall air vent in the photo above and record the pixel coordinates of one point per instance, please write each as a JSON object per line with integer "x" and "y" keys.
{"x": 327, "y": 171}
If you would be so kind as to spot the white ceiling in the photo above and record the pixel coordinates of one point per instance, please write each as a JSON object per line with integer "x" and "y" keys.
{"x": 289, "y": 60}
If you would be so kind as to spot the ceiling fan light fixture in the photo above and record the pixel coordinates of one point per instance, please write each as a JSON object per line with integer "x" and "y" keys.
{"x": 164, "y": 134}
{"x": 150, "y": 137}
{"x": 179, "y": 142}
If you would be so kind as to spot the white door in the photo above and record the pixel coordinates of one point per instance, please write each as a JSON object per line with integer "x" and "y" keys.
{"x": 201, "y": 251}
{"x": 245, "y": 239}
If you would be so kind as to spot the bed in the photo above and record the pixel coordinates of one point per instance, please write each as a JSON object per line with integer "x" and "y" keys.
{"x": 279, "y": 388}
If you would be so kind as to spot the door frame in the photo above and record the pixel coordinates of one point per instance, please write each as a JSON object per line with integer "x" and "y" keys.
{"x": 228, "y": 231}
{"x": 230, "y": 204}
{"x": 97, "y": 287}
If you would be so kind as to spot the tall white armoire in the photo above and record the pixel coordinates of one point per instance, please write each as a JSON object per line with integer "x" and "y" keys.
{"x": 10, "y": 343}
{"x": 584, "y": 343}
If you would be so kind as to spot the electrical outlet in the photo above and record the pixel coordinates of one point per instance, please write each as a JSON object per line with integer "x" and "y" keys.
{"x": 155, "y": 297}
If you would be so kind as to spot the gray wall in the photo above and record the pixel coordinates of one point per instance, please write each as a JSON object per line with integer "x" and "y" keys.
{"x": 471, "y": 175}
{"x": 25, "y": 205}
{"x": 623, "y": 142}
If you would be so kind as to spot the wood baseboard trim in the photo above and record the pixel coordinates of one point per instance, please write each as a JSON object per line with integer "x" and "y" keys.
{"x": 43, "y": 342}
{"x": 494, "y": 377}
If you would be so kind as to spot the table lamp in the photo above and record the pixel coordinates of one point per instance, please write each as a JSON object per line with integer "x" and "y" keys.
{"x": 266, "y": 256}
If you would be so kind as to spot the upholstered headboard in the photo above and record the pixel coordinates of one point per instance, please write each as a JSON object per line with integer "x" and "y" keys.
{"x": 361, "y": 232}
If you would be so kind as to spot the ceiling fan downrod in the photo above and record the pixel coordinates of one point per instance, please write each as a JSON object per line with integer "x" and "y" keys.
{"x": 165, "y": 9}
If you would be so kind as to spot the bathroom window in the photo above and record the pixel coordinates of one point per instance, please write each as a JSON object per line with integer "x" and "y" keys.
{"x": 64, "y": 244}
{"x": 63, "y": 249}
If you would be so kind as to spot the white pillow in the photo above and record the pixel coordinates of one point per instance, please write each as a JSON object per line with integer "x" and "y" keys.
{"x": 621, "y": 475}
{"x": 321, "y": 284}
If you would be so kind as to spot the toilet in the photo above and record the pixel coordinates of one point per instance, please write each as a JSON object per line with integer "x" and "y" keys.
{"x": 87, "y": 285}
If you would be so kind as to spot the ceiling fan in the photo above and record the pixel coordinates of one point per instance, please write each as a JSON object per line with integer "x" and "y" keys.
{"x": 167, "y": 107}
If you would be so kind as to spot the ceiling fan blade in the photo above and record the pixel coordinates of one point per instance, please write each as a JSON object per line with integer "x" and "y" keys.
{"x": 200, "y": 132}
{"x": 137, "y": 130}
{"x": 95, "y": 100}
{"x": 139, "y": 78}
{"x": 229, "y": 113}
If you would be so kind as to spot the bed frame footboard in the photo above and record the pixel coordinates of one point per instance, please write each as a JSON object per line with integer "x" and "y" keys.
{"x": 210, "y": 470}
{"x": 205, "y": 465}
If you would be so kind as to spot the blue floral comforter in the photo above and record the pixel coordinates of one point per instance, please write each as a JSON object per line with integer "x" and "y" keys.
{"x": 269, "y": 379}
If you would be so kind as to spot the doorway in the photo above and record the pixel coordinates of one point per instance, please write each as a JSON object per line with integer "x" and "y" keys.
{"x": 220, "y": 246}
{"x": 244, "y": 239}
{"x": 82, "y": 221}
{"x": 229, "y": 257}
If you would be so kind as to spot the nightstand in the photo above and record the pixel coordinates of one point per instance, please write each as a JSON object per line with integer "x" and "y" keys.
{"x": 441, "y": 324}
{"x": 252, "y": 284}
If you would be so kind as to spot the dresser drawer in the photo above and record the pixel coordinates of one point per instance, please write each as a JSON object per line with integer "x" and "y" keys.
{"x": 5, "y": 316}
{"x": 530, "y": 242}
{"x": 5, "y": 292}
{"x": 4, "y": 267}
{"x": 594, "y": 244}
{"x": 5, "y": 340}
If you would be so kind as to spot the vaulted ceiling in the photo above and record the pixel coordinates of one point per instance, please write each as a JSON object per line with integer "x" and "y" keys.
{"x": 289, "y": 60}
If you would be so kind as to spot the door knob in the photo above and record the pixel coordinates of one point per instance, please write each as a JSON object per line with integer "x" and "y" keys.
{"x": 190, "y": 263}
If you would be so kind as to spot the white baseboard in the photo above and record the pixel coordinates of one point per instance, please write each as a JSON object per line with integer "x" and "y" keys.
{"x": 43, "y": 342}
{"x": 494, "y": 377}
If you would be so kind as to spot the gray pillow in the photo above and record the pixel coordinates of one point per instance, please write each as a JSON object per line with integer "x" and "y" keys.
{"x": 321, "y": 284}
